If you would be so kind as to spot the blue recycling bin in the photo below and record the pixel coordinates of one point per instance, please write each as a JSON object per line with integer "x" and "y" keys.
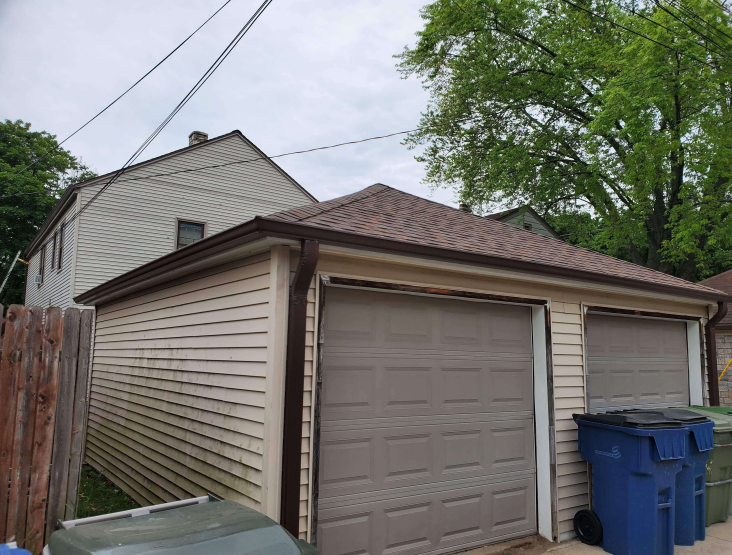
{"x": 635, "y": 460}
{"x": 690, "y": 524}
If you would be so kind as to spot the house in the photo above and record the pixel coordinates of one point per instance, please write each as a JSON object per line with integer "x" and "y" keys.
{"x": 723, "y": 333}
{"x": 526, "y": 218}
{"x": 380, "y": 372}
{"x": 154, "y": 208}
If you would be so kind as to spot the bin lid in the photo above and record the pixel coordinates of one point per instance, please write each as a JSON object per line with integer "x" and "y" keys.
{"x": 642, "y": 420}
{"x": 685, "y": 416}
{"x": 219, "y": 527}
{"x": 722, "y": 422}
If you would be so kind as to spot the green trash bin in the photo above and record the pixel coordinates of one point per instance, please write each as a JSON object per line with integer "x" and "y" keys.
{"x": 719, "y": 465}
{"x": 200, "y": 526}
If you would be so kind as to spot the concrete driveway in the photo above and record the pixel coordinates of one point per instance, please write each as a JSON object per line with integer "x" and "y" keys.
{"x": 718, "y": 542}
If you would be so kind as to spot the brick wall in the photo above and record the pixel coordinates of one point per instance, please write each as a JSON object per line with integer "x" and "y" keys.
{"x": 724, "y": 353}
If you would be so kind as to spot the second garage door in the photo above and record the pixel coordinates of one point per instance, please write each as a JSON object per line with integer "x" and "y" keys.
{"x": 427, "y": 428}
{"x": 636, "y": 362}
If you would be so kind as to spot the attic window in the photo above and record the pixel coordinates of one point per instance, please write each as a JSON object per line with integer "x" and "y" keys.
{"x": 527, "y": 227}
{"x": 188, "y": 233}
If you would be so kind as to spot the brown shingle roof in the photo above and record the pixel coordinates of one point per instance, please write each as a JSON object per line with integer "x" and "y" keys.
{"x": 722, "y": 282}
{"x": 383, "y": 212}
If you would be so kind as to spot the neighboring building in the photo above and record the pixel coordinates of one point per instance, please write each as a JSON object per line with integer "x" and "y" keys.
{"x": 439, "y": 357}
{"x": 154, "y": 208}
{"x": 723, "y": 282}
{"x": 526, "y": 218}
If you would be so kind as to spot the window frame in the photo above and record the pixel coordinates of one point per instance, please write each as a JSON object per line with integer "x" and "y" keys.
{"x": 189, "y": 221}
{"x": 42, "y": 265}
{"x": 61, "y": 234}
{"x": 54, "y": 243}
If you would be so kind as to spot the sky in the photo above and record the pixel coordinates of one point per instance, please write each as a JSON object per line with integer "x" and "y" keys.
{"x": 308, "y": 74}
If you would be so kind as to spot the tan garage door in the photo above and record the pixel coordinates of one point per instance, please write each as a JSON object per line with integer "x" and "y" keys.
{"x": 636, "y": 362}
{"x": 427, "y": 430}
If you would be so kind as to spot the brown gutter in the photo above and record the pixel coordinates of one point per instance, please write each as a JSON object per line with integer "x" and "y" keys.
{"x": 294, "y": 387}
{"x": 711, "y": 340}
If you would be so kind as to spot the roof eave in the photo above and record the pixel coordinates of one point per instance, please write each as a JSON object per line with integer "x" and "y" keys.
{"x": 61, "y": 206}
{"x": 260, "y": 227}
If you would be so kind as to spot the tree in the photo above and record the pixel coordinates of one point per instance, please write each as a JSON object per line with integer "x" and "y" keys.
{"x": 27, "y": 196}
{"x": 619, "y": 111}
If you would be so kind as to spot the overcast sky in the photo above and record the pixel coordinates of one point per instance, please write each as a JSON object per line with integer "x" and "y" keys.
{"x": 309, "y": 73}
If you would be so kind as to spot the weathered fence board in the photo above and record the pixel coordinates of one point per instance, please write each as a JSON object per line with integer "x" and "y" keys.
{"x": 43, "y": 434}
{"x": 13, "y": 340}
{"x": 25, "y": 420}
{"x": 78, "y": 429}
{"x": 64, "y": 420}
{"x": 44, "y": 368}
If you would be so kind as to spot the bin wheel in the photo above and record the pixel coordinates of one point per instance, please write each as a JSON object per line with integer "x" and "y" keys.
{"x": 588, "y": 527}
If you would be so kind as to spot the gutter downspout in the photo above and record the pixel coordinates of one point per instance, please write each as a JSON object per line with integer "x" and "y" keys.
{"x": 711, "y": 340}
{"x": 294, "y": 387}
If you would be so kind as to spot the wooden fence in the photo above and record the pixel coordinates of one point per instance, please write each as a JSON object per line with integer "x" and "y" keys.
{"x": 44, "y": 370}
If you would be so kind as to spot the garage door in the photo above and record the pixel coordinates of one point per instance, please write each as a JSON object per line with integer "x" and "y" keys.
{"x": 636, "y": 362}
{"x": 427, "y": 431}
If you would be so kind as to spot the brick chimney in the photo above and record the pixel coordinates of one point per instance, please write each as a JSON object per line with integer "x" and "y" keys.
{"x": 197, "y": 137}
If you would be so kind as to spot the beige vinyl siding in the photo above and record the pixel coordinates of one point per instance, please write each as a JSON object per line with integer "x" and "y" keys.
{"x": 56, "y": 287}
{"x": 519, "y": 219}
{"x": 178, "y": 387}
{"x": 569, "y": 397}
{"x": 134, "y": 221}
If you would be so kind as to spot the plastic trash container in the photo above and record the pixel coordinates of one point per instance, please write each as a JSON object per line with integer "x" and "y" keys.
{"x": 635, "y": 459}
{"x": 200, "y": 526}
{"x": 690, "y": 522}
{"x": 12, "y": 549}
{"x": 719, "y": 465}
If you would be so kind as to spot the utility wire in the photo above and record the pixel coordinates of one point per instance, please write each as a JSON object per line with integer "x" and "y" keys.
{"x": 108, "y": 106}
{"x": 207, "y": 74}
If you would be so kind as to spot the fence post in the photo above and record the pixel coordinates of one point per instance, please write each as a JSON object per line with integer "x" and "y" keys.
{"x": 44, "y": 430}
{"x": 13, "y": 340}
{"x": 78, "y": 430}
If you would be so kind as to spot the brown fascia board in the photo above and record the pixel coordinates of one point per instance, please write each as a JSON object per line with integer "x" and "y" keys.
{"x": 261, "y": 227}
{"x": 49, "y": 221}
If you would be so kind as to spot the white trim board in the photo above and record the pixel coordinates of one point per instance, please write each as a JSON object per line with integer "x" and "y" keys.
{"x": 693, "y": 351}
{"x": 541, "y": 423}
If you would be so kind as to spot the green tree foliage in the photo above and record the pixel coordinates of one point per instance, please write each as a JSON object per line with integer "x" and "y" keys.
{"x": 28, "y": 196}
{"x": 541, "y": 102}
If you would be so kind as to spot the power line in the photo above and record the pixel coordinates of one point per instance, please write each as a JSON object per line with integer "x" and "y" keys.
{"x": 54, "y": 149}
{"x": 205, "y": 77}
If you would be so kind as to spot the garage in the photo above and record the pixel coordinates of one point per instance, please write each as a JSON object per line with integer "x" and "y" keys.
{"x": 636, "y": 362}
{"x": 426, "y": 424}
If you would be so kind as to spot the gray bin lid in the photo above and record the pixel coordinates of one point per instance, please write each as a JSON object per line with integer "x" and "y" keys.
{"x": 217, "y": 527}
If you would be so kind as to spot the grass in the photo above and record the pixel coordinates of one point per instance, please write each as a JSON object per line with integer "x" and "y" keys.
{"x": 98, "y": 495}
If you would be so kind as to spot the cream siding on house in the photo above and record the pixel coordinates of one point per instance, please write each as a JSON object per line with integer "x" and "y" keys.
{"x": 134, "y": 221}
{"x": 178, "y": 387}
{"x": 56, "y": 287}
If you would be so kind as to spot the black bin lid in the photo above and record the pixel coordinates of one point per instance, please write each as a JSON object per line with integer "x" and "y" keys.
{"x": 633, "y": 419}
{"x": 679, "y": 415}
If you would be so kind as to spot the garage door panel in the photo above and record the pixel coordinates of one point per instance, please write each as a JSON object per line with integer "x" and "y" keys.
{"x": 623, "y": 337}
{"x": 361, "y": 385}
{"x": 431, "y": 522}
{"x": 636, "y": 363}
{"x": 378, "y": 459}
{"x": 366, "y": 319}
{"x": 426, "y": 424}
